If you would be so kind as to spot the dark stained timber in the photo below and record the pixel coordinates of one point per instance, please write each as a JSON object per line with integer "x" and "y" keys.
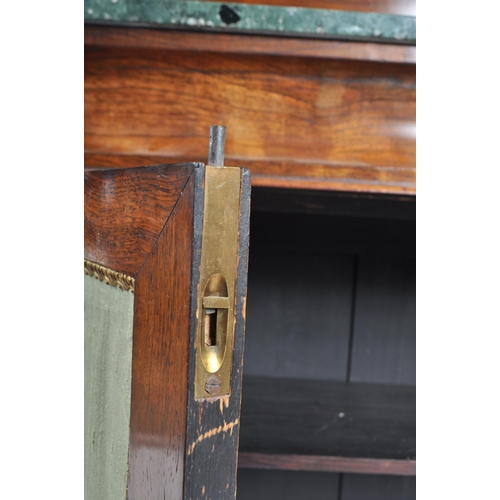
{"x": 327, "y": 426}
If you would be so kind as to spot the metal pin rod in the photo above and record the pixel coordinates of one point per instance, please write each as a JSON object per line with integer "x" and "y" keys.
{"x": 216, "y": 145}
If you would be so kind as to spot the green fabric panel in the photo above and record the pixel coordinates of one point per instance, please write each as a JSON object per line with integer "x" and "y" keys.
{"x": 108, "y": 374}
{"x": 241, "y": 18}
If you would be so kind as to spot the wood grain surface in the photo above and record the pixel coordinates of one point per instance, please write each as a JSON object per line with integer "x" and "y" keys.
{"x": 327, "y": 464}
{"x": 160, "y": 360}
{"x": 167, "y": 39}
{"x": 294, "y": 122}
{"x": 317, "y": 177}
{"x": 122, "y": 218}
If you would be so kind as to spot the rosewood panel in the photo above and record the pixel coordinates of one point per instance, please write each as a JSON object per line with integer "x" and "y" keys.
{"x": 122, "y": 218}
{"x": 160, "y": 357}
{"x": 295, "y": 122}
{"x": 285, "y": 176}
{"x": 114, "y": 36}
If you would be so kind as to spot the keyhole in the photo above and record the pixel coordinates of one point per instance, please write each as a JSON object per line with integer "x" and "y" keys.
{"x": 210, "y": 327}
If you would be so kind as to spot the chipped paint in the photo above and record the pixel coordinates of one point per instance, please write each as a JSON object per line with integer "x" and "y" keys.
{"x": 244, "y": 308}
{"x": 222, "y": 428}
{"x": 223, "y": 402}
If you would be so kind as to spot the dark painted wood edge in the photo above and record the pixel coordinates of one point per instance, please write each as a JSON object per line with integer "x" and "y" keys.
{"x": 148, "y": 38}
{"x": 327, "y": 464}
{"x": 191, "y": 424}
{"x": 241, "y": 291}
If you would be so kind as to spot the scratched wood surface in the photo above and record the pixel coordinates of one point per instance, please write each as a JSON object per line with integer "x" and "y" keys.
{"x": 295, "y": 122}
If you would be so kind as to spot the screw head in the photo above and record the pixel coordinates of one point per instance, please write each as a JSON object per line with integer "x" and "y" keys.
{"x": 212, "y": 385}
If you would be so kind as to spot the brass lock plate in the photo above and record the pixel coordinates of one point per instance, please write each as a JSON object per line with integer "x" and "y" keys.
{"x": 216, "y": 297}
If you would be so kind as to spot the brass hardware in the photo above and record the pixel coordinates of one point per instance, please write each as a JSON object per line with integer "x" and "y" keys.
{"x": 214, "y": 323}
{"x": 219, "y": 250}
{"x": 212, "y": 386}
{"x": 110, "y": 277}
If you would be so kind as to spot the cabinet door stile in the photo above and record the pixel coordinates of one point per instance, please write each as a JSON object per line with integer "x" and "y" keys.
{"x": 146, "y": 435}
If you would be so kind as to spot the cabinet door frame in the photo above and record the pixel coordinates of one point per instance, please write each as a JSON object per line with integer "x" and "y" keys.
{"x": 145, "y": 224}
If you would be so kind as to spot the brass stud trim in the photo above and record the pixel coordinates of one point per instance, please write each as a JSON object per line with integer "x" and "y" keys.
{"x": 108, "y": 276}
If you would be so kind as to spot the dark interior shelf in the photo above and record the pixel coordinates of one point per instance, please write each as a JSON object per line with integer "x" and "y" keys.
{"x": 327, "y": 426}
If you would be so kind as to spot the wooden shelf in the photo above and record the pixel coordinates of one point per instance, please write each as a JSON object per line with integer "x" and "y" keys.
{"x": 327, "y": 426}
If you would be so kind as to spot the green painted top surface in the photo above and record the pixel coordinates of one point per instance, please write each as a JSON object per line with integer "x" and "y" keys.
{"x": 244, "y": 18}
{"x": 108, "y": 320}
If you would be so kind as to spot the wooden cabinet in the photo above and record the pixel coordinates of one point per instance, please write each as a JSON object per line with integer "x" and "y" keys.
{"x": 327, "y": 128}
